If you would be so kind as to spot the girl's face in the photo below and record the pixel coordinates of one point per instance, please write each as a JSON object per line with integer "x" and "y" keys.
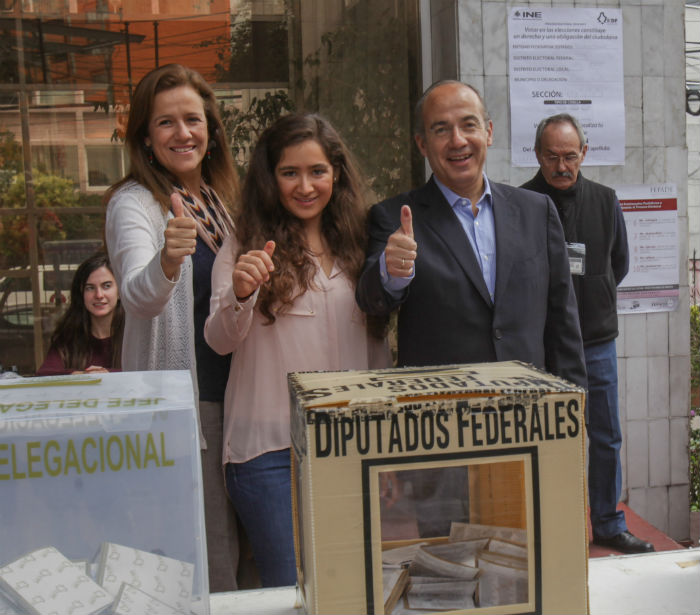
{"x": 100, "y": 293}
{"x": 305, "y": 181}
{"x": 177, "y": 133}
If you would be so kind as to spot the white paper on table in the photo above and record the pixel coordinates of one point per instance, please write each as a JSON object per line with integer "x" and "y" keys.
{"x": 44, "y": 582}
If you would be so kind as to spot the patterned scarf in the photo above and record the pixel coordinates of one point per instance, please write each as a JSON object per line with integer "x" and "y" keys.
{"x": 213, "y": 221}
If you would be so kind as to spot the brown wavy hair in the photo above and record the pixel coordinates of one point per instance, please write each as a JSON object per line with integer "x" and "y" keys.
{"x": 218, "y": 169}
{"x": 72, "y": 336}
{"x": 262, "y": 217}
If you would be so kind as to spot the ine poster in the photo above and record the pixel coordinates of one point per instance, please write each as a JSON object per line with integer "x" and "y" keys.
{"x": 651, "y": 218}
{"x": 567, "y": 60}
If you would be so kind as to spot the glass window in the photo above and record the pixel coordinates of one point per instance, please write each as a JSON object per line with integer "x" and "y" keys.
{"x": 105, "y": 164}
{"x": 454, "y": 537}
{"x": 356, "y": 62}
{"x": 57, "y": 160}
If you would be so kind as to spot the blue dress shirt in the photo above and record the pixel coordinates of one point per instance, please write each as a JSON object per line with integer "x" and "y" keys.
{"x": 480, "y": 231}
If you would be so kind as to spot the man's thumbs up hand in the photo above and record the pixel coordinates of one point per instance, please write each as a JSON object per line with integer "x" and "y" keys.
{"x": 401, "y": 249}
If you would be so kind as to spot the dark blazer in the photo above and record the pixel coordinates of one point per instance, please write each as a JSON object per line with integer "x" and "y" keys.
{"x": 446, "y": 315}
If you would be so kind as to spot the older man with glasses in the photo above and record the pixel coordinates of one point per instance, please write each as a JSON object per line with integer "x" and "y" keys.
{"x": 594, "y": 229}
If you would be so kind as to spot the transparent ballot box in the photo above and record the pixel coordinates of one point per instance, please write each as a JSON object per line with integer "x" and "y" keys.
{"x": 454, "y": 489}
{"x": 101, "y": 495}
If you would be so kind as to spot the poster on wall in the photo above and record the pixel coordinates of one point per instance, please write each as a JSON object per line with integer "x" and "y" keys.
{"x": 651, "y": 218}
{"x": 567, "y": 60}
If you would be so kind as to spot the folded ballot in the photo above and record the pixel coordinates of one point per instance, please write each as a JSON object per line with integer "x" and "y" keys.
{"x": 44, "y": 582}
{"x": 132, "y": 601}
{"x": 166, "y": 579}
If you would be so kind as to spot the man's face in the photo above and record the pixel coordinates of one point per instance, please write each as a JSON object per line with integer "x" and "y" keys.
{"x": 456, "y": 138}
{"x": 560, "y": 155}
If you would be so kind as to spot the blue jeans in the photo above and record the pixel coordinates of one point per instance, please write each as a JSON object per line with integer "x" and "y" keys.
{"x": 261, "y": 492}
{"x": 604, "y": 440}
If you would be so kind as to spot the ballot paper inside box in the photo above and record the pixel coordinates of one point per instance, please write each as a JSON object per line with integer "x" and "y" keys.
{"x": 105, "y": 469}
{"x": 453, "y": 489}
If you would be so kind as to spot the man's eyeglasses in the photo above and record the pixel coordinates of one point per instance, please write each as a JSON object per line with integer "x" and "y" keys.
{"x": 568, "y": 158}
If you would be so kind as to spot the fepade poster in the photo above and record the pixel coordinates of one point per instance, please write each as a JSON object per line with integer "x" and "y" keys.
{"x": 651, "y": 218}
{"x": 567, "y": 60}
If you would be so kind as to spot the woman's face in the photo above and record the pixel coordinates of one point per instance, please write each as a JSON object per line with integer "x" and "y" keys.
{"x": 100, "y": 294}
{"x": 305, "y": 181}
{"x": 177, "y": 133}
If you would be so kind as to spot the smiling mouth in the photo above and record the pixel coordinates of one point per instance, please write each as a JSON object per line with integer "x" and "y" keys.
{"x": 182, "y": 150}
{"x": 459, "y": 158}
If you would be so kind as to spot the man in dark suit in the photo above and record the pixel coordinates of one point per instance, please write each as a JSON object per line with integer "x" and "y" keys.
{"x": 478, "y": 269}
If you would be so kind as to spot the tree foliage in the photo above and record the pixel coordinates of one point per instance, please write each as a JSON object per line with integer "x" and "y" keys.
{"x": 244, "y": 127}
{"x": 359, "y": 79}
{"x": 694, "y": 349}
{"x": 49, "y": 191}
{"x": 10, "y": 161}
{"x": 694, "y": 440}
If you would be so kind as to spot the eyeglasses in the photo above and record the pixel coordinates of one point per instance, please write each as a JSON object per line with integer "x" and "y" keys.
{"x": 568, "y": 158}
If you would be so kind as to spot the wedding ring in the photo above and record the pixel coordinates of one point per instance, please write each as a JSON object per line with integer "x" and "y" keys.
{"x": 403, "y": 263}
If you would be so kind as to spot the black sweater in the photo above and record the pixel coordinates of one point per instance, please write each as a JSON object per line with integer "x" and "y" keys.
{"x": 590, "y": 214}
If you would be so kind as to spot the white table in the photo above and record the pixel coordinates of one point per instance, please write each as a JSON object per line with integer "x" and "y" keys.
{"x": 651, "y": 583}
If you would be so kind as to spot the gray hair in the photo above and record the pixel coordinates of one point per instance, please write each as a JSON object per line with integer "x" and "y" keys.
{"x": 559, "y": 118}
{"x": 419, "y": 126}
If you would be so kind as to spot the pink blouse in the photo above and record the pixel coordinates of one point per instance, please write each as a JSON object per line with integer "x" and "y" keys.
{"x": 322, "y": 330}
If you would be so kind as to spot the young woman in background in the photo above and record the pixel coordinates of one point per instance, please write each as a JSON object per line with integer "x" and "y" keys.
{"x": 88, "y": 337}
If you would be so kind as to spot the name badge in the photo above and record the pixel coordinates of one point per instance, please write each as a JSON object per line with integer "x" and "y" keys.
{"x": 577, "y": 258}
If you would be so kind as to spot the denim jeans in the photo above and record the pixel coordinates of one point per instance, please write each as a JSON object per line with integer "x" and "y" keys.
{"x": 604, "y": 440}
{"x": 261, "y": 492}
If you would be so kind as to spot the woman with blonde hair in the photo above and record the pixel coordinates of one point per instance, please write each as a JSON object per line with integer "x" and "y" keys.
{"x": 166, "y": 220}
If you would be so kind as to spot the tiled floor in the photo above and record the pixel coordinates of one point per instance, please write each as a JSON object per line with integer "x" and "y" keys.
{"x": 641, "y": 529}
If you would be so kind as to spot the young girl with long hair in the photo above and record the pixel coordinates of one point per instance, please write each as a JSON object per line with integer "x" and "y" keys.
{"x": 88, "y": 337}
{"x": 283, "y": 298}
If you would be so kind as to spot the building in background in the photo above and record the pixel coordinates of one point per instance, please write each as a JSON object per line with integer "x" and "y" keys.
{"x": 67, "y": 71}
{"x": 67, "y": 66}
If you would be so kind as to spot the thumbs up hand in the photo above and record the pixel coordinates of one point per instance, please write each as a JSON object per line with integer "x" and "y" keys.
{"x": 400, "y": 252}
{"x": 177, "y": 206}
{"x": 252, "y": 270}
{"x": 180, "y": 238}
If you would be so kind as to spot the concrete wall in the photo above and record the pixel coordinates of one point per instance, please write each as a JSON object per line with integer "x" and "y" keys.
{"x": 653, "y": 349}
{"x": 692, "y": 35}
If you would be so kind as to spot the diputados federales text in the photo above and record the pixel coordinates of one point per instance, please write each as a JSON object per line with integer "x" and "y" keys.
{"x": 472, "y": 426}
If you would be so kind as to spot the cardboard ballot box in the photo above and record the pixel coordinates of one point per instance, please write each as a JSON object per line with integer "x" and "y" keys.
{"x": 444, "y": 489}
{"x": 101, "y": 495}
